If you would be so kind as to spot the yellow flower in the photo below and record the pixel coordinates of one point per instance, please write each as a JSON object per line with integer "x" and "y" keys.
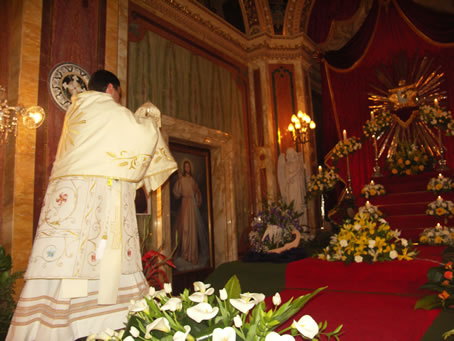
{"x": 421, "y": 167}
{"x": 438, "y": 240}
{"x": 405, "y": 255}
{"x": 416, "y": 158}
{"x": 438, "y": 186}
{"x": 394, "y": 171}
{"x": 400, "y": 161}
{"x": 423, "y": 239}
{"x": 373, "y": 192}
{"x": 407, "y": 162}
{"x": 440, "y": 211}
{"x": 408, "y": 172}
{"x": 315, "y": 187}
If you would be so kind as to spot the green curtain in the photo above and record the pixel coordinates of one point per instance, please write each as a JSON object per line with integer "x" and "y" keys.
{"x": 189, "y": 87}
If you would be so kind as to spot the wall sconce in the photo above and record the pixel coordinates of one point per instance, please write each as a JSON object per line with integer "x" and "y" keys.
{"x": 32, "y": 117}
{"x": 299, "y": 126}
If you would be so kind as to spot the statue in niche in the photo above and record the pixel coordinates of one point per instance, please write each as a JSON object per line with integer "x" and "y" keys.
{"x": 291, "y": 179}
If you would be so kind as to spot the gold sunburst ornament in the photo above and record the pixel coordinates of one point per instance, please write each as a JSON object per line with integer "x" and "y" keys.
{"x": 409, "y": 94}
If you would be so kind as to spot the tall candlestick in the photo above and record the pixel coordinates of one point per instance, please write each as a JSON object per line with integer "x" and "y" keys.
{"x": 345, "y": 134}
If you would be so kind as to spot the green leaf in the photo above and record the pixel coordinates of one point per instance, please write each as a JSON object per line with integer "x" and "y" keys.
{"x": 233, "y": 287}
{"x": 428, "y": 302}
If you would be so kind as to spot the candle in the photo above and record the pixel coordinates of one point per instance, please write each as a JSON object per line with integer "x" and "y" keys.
{"x": 367, "y": 204}
{"x": 440, "y": 176}
{"x": 436, "y": 102}
{"x": 345, "y": 134}
{"x": 372, "y": 182}
{"x": 438, "y": 226}
{"x": 372, "y": 115}
{"x": 439, "y": 199}
{"x": 319, "y": 169}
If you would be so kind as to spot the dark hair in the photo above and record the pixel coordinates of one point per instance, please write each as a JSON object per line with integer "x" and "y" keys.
{"x": 101, "y": 79}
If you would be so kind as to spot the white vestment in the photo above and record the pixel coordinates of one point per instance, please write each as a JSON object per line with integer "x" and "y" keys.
{"x": 85, "y": 265}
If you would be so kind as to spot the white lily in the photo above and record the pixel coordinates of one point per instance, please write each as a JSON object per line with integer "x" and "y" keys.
{"x": 404, "y": 242}
{"x": 151, "y": 291}
{"x": 136, "y": 306}
{"x": 173, "y": 304}
{"x": 134, "y": 331}
{"x": 306, "y": 326}
{"x": 129, "y": 338}
{"x": 238, "y": 321}
{"x": 180, "y": 336}
{"x": 223, "y": 294}
{"x": 277, "y": 299}
{"x": 200, "y": 286}
{"x": 226, "y": 334}
{"x": 202, "y": 311}
{"x": 243, "y": 305}
{"x": 200, "y": 296}
{"x": 168, "y": 288}
{"x": 273, "y": 336}
{"x": 161, "y": 324}
{"x": 256, "y": 297}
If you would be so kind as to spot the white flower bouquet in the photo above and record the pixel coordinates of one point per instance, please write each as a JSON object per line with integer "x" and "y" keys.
{"x": 367, "y": 238}
{"x": 204, "y": 316}
{"x": 440, "y": 184}
{"x": 440, "y": 208}
{"x": 438, "y": 235}
{"x": 435, "y": 117}
{"x": 322, "y": 182}
{"x": 345, "y": 147}
{"x": 372, "y": 189}
{"x": 376, "y": 126}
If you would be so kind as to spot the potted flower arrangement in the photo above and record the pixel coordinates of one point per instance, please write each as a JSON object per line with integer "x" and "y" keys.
{"x": 367, "y": 238}
{"x": 376, "y": 126}
{"x": 275, "y": 226}
{"x": 438, "y": 235}
{"x": 203, "y": 315}
{"x": 441, "y": 280}
{"x": 372, "y": 189}
{"x": 434, "y": 116}
{"x": 322, "y": 182}
{"x": 345, "y": 147}
{"x": 440, "y": 184}
{"x": 440, "y": 207}
{"x": 408, "y": 160}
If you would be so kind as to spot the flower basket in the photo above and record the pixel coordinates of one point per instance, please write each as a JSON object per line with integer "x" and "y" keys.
{"x": 367, "y": 238}
{"x": 322, "y": 182}
{"x": 438, "y": 235}
{"x": 440, "y": 184}
{"x": 202, "y": 315}
{"x": 408, "y": 160}
{"x": 275, "y": 226}
{"x": 440, "y": 208}
{"x": 372, "y": 190}
{"x": 345, "y": 147}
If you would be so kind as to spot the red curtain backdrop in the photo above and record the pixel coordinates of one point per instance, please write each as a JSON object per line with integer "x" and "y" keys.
{"x": 348, "y": 74}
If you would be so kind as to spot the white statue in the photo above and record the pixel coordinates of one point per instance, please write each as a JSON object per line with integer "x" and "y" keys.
{"x": 291, "y": 179}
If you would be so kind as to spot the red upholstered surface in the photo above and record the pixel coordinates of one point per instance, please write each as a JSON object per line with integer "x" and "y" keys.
{"x": 367, "y": 317}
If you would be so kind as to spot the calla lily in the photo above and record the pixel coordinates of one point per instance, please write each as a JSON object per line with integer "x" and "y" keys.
{"x": 200, "y": 296}
{"x": 202, "y": 311}
{"x": 256, "y": 297}
{"x": 306, "y": 326}
{"x": 160, "y": 324}
{"x": 226, "y": 334}
{"x": 168, "y": 288}
{"x": 200, "y": 286}
{"x": 273, "y": 336}
{"x": 129, "y": 338}
{"x": 242, "y": 305}
{"x": 237, "y": 321}
{"x": 160, "y": 293}
{"x": 223, "y": 294}
{"x": 134, "y": 331}
{"x": 173, "y": 304}
{"x": 180, "y": 336}
{"x": 277, "y": 299}
{"x": 136, "y": 306}
{"x": 151, "y": 291}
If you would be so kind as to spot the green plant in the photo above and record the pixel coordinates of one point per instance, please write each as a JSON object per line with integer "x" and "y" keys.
{"x": 7, "y": 303}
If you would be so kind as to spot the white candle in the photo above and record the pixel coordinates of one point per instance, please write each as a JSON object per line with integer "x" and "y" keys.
{"x": 372, "y": 182}
{"x": 320, "y": 169}
{"x": 372, "y": 115}
{"x": 439, "y": 199}
{"x": 436, "y": 102}
{"x": 438, "y": 226}
{"x": 367, "y": 204}
{"x": 440, "y": 176}
{"x": 345, "y": 134}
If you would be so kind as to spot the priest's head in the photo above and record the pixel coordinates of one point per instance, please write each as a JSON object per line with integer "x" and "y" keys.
{"x": 105, "y": 81}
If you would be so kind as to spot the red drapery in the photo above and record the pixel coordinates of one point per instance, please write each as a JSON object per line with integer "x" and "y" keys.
{"x": 386, "y": 32}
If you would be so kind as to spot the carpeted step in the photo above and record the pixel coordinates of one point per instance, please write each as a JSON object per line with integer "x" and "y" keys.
{"x": 408, "y": 208}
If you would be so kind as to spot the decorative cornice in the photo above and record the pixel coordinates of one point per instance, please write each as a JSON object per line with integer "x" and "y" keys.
{"x": 199, "y": 22}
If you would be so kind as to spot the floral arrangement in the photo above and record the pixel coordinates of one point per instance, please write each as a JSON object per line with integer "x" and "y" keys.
{"x": 345, "y": 147}
{"x": 408, "y": 160}
{"x": 322, "y": 182}
{"x": 439, "y": 235}
{"x": 440, "y": 207}
{"x": 440, "y": 184}
{"x": 450, "y": 128}
{"x": 372, "y": 189}
{"x": 435, "y": 117}
{"x": 367, "y": 238}
{"x": 203, "y": 315}
{"x": 274, "y": 226}
{"x": 440, "y": 280}
{"x": 378, "y": 124}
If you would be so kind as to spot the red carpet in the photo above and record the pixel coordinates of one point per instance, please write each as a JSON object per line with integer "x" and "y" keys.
{"x": 374, "y": 302}
{"x": 406, "y": 201}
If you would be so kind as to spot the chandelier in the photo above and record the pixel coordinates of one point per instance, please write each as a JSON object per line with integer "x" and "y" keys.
{"x": 299, "y": 127}
{"x": 32, "y": 117}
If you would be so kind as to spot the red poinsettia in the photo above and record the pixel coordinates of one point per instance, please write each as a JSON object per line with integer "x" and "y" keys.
{"x": 153, "y": 262}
